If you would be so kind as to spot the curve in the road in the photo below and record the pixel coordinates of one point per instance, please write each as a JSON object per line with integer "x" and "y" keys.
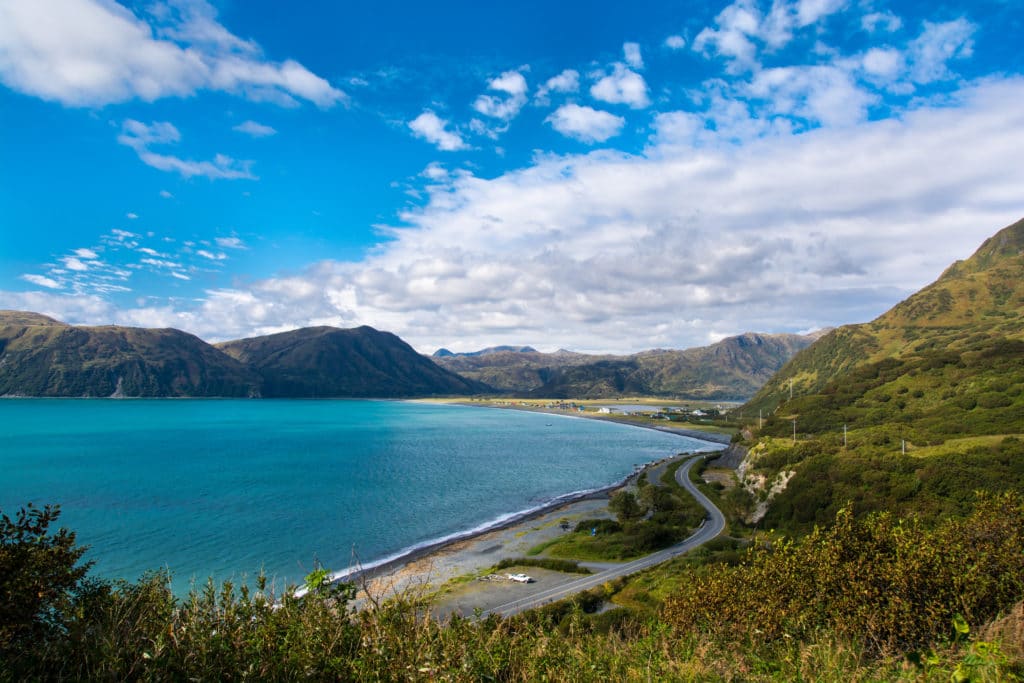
{"x": 711, "y": 527}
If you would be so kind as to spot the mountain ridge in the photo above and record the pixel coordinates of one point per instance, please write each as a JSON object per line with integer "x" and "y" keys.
{"x": 733, "y": 368}
{"x": 40, "y": 356}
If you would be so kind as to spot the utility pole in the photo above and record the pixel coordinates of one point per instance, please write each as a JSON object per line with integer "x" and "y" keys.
{"x": 903, "y": 446}
{"x": 759, "y": 422}
{"x": 844, "y": 435}
{"x": 794, "y": 432}
{"x": 790, "y": 390}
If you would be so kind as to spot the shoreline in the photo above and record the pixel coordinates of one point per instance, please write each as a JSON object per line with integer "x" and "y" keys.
{"x": 400, "y": 562}
{"x": 700, "y": 435}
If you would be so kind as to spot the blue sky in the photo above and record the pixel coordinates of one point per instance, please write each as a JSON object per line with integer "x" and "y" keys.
{"x": 600, "y": 176}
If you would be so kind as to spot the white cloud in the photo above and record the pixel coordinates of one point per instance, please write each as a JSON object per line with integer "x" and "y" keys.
{"x": 96, "y": 52}
{"x": 566, "y": 82}
{"x": 621, "y": 86}
{"x": 230, "y": 243}
{"x": 160, "y": 263}
{"x": 884, "y": 21}
{"x": 219, "y": 256}
{"x": 256, "y": 130}
{"x": 131, "y": 215}
{"x": 675, "y": 42}
{"x": 811, "y": 11}
{"x": 504, "y": 107}
{"x": 631, "y": 54}
{"x": 937, "y": 45}
{"x": 75, "y": 264}
{"x": 740, "y": 26}
{"x": 41, "y": 281}
{"x": 432, "y": 128}
{"x": 166, "y": 195}
{"x": 614, "y": 252}
{"x": 140, "y": 137}
{"x": 85, "y": 253}
{"x": 585, "y": 123}
{"x": 736, "y": 24}
{"x": 821, "y": 94}
{"x": 180, "y": 276}
{"x": 885, "y": 64}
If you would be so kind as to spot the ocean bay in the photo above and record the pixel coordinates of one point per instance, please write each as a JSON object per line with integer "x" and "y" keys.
{"x": 224, "y": 487}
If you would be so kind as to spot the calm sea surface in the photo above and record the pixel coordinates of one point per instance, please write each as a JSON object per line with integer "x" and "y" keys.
{"x": 223, "y": 487}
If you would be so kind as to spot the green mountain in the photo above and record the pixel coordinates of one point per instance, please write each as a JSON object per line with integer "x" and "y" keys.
{"x": 733, "y": 368}
{"x": 333, "y": 362}
{"x": 40, "y": 356}
{"x": 930, "y": 395}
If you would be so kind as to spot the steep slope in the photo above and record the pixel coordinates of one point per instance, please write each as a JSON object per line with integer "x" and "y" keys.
{"x": 916, "y": 410}
{"x": 333, "y": 362}
{"x": 43, "y": 357}
{"x": 973, "y": 302}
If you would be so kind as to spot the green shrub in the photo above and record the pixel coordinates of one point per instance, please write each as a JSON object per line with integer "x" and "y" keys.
{"x": 891, "y": 584}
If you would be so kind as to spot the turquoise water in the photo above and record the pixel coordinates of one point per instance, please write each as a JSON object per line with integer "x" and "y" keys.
{"x": 224, "y": 487}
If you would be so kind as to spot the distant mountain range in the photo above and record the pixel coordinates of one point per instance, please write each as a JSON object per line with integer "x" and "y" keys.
{"x": 733, "y": 368}
{"x": 40, "y": 356}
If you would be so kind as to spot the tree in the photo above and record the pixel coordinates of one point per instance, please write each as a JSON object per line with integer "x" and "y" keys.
{"x": 626, "y": 507}
{"x": 38, "y": 578}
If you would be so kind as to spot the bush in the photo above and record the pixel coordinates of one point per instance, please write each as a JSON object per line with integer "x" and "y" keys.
{"x": 40, "y": 578}
{"x": 892, "y": 585}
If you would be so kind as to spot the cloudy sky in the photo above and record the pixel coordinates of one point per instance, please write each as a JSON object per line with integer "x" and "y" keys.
{"x": 600, "y": 176}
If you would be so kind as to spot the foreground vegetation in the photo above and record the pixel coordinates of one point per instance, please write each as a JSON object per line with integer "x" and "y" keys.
{"x": 877, "y": 599}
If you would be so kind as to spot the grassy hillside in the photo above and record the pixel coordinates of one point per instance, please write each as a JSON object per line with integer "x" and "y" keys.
{"x": 333, "y": 362}
{"x": 974, "y": 304}
{"x": 931, "y": 396}
{"x": 42, "y": 357}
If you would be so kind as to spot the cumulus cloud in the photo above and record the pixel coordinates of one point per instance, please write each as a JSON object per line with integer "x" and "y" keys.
{"x": 936, "y": 46}
{"x": 566, "y": 82}
{"x": 675, "y": 42}
{"x": 432, "y": 128}
{"x": 512, "y": 85}
{"x": 585, "y": 123}
{"x": 631, "y": 53}
{"x": 254, "y": 129}
{"x": 742, "y": 25}
{"x": 609, "y": 251}
{"x": 96, "y": 52}
{"x": 885, "y": 64}
{"x": 140, "y": 137}
{"x": 621, "y": 86}
{"x": 881, "y": 21}
{"x": 821, "y": 94}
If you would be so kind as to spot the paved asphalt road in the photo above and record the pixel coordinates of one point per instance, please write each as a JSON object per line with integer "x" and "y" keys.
{"x": 712, "y": 526}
